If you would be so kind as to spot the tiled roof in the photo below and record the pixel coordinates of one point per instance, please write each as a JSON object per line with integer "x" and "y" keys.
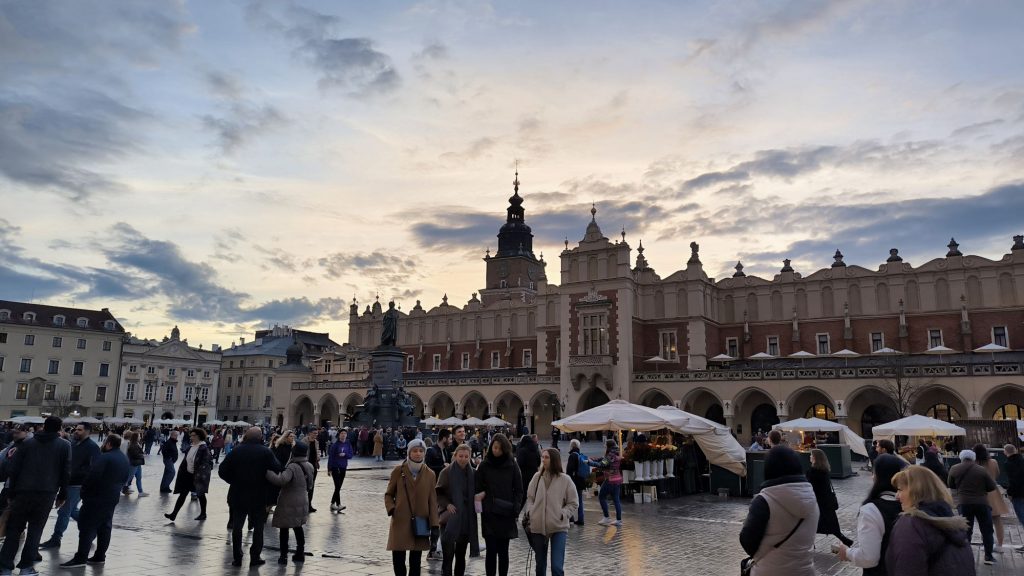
{"x": 45, "y": 315}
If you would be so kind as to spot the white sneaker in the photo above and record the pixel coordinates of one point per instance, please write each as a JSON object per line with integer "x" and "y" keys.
{"x": 618, "y": 523}
{"x": 605, "y": 521}
{"x": 334, "y": 507}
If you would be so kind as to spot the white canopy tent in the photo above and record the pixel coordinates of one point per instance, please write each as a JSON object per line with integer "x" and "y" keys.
{"x": 619, "y": 415}
{"x": 450, "y": 421}
{"x": 917, "y": 425}
{"x": 721, "y": 358}
{"x": 495, "y": 421}
{"x": 846, "y": 436}
{"x": 27, "y": 420}
{"x": 431, "y": 421}
{"x": 714, "y": 439}
{"x": 473, "y": 421}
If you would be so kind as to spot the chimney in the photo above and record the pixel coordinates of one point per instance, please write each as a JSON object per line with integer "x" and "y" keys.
{"x": 241, "y": 340}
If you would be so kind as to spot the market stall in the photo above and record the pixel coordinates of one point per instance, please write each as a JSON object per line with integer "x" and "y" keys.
{"x": 838, "y": 454}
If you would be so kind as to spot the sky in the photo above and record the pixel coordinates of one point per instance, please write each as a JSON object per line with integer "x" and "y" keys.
{"x": 226, "y": 166}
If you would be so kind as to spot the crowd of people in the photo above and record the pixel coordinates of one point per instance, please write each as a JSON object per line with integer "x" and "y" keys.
{"x": 917, "y": 519}
{"x": 457, "y": 494}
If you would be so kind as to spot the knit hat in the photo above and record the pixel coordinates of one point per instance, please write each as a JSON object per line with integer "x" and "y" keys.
{"x": 968, "y": 455}
{"x": 416, "y": 443}
{"x": 300, "y": 450}
{"x": 782, "y": 461}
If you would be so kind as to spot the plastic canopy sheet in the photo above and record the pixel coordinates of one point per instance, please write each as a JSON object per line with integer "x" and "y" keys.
{"x": 917, "y": 425}
{"x": 846, "y": 436}
{"x": 715, "y": 440}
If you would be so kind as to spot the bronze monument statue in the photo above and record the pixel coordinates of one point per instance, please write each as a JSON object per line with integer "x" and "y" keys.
{"x": 389, "y": 334}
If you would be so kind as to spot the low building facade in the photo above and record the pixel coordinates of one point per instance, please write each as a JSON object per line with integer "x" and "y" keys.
{"x": 58, "y": 360}
{"x": 164, "y": 380}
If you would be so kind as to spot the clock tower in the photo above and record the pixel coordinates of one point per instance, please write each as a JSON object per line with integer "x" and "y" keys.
{"x": 513, "y": 270}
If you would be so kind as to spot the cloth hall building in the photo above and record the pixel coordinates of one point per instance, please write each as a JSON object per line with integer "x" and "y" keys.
{"x": 536, "y": 343}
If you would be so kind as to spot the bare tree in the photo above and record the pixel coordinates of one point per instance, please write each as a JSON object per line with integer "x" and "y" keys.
{"x": 61, "y": 405}
{"x": 902, "y": 384}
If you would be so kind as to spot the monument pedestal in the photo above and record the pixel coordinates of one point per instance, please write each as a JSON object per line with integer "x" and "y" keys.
{"x": 387, "y": 404}
{"x": 387, "y": 367}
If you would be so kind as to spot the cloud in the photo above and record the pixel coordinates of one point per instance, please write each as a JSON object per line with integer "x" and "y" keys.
{"x": 789, "y": 163}
{"x": 386, "y": 270}
{"x": 238, "y": 120}
{"x": 352, "y": 64}
{"x": 472, "y": 151}
{"x": 976, "y": 129}
{"x": 919, "y": 228}
{"x": 241, "y": 124}
{"x": 60, "y": 147}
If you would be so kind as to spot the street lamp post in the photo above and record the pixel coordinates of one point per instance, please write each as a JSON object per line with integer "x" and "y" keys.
{"x": 195, "y": 413}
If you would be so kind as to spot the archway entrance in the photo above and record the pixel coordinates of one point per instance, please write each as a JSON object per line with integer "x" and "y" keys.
{"x": 329, "y": 411}
{"x": 303, "y": 412}
{"x": 763, "y": 417}
{"x": 1004, "y": 403}
{"x": 655, "y": 398}
{"x": 812, "y": 403}
{"x": 715, "y": 413}
{"x": 351, "y": 406}
{"x": 509, "y": 407}
{"x": 704, "y": 403}
{"x": 417, "y": 406}
{"x": 545, "y": 409}
{"x": 442, "y": 406}
{"x": 474, "y": 405}
{"x": 874, "y": 415}
{"x": 167, "y": 416}
{"x": 592, "y": 398}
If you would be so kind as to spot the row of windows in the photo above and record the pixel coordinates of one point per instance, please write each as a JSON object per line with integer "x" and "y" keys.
{"x": 410, "y": 362}
{"x": 50, "y": 392}
{"x": 58, "y": 320}
{"x": 351, "y": 365}
{"x": 248, "y": 401}
{"x": 252, "y": 362}
{"x": 53, "y": 367}
{"x": 150, "y": 392}
{"x": 171, "y": 372}
{"x": 877, "y": 341}
{"x": 57, "y": 342}
{"x": 252, "y": 381}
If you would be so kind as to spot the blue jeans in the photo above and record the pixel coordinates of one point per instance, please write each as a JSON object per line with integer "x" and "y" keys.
{"x": 557, "y": 544}
{"x": 610, "y": 489}
{"x": 983, "y": 513}
{"x": 165, "y": 482}
{"x": 137, "y": 474}
{"x": 68, "y": 511}
{"x": 579, "y": 494}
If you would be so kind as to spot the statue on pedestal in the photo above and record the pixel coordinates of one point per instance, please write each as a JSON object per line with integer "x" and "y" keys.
{"x": 389, "y": 333}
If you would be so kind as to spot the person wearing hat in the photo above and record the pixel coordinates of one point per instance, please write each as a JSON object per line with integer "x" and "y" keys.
{"x": 876, "y": 518}
{"x": 292, "y": 502}
{"x": 410, "y": 494}
{"x": 779, "y": 530}
{"x": 972, "y": 484}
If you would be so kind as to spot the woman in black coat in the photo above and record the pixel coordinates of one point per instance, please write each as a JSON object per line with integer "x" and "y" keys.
{"x": 934, "y": 463}
{"x": 499, "y": 486}
{"x": 818, "y": 476}
{"x": 572, "y": 468}
{"x": 528, "y": 458}
{"x": 193, "y": 474}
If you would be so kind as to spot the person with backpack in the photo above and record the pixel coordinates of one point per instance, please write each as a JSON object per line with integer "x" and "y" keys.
{"x": 577, "y": 466}
{"x": 876, "y": 518}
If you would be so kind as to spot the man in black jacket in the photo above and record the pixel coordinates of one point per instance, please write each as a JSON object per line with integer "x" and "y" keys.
{"x": 245, "y": 469}
{"x": 83, "y": 451}
{"x": 1015, "y": 488}
{"x": 101, "y": 491}
{"x": 39, "y": 472}
{"x": 169, "y": 450}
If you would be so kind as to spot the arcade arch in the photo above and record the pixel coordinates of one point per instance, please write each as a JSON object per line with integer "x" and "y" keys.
{"x": 509, "y": 407}
{"x": 1008, "y": 396}
{"x": 754, "y": 410}
{"x": 441, "y": 405}
{"x": 303, "y": 411}
{"x": 810, "y": 402}
{"x": 329, "y": 413}
{"x": 706, "y": 403}
{"x": 544, "y": 408}
{"x": 867, "y": 408}
{"x": 473, "y": 404}
{"x": 654, "y": 398}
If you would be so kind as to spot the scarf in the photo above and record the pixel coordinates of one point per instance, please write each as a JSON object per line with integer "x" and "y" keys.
{"x": 414, "y": 467}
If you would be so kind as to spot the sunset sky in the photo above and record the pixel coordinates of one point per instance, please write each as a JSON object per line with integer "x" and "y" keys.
{"x": 226, "y": 166}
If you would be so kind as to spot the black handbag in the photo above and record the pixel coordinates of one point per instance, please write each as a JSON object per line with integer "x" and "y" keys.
{"x": 420, "y": 524}
{"x": 747, "y": 564}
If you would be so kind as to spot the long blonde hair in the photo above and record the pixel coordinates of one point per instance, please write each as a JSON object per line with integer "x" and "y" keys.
{"x": 921, "y": 485}
{"x": 286, "y": 438}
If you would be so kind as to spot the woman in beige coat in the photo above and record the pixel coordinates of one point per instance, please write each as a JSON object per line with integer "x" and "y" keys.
{"x": 551, "y": 501}
{"x": 410, "y": 493}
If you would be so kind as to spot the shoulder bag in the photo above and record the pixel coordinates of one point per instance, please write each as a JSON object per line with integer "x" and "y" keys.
{"x": 420, "y": 524}
{"x": 747, "y": 564}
